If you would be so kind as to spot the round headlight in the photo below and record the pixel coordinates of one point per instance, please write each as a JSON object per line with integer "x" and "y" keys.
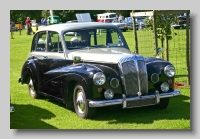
{"x": 114, "y": 82}
{"x": 169, "y": 71}
{"x": 99, "y": 78}
{"x": 164, "y": 87}
{"x": 108, "y": 94}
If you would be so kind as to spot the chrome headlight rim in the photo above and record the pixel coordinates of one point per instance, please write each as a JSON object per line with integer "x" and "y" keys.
{"x": 99, "y": 78}
{"x": 164, "y": 87}
{"x": 169, "y": 71}
{"x": 108, "y": 94}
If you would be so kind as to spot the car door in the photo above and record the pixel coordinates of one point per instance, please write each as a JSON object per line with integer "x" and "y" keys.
{"x": 38, "y": 49}
{"x": 54, "y": 58}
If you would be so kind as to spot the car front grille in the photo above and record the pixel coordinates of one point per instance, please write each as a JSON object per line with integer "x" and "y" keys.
{"x": 134, "y": 75}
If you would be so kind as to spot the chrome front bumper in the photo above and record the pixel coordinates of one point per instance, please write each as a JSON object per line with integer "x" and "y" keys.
{"x": 141, "y": 100}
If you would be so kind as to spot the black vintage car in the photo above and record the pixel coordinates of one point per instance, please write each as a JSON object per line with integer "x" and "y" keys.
{"x": 89, "y": 65}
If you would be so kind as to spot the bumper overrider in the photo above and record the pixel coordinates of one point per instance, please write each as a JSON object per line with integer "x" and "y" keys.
{"x": 135, "y": 101}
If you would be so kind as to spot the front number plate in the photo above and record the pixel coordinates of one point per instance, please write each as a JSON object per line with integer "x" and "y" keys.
{"x": 139, "y": 103}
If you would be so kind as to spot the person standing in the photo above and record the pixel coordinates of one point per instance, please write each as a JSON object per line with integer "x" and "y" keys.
{"x": 44, "y": 22}
{"x": 28, "y": 25}
{"x": 41, "y": 21}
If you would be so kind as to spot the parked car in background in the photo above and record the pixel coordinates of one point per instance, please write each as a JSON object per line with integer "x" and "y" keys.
{"x": 129, "y": 22}
{"x": 121, "y": 25}
{"x": 94, "y": 70}
{"x": 15, "y": 28}
{"x": 181, "y": 23}
{"x": 54, "y": 20}
{"x": 72, "y": 21}
{"x": 140, "y": 23}
{"x": 103, "y": 16}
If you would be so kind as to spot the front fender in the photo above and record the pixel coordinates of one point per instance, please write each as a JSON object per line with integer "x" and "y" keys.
{"x": 67, "y": 77}
{"x": 155, "y": 65}
{"x": 83, "y": 74}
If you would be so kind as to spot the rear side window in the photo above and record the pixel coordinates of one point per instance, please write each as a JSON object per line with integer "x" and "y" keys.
{"x": 39, "y": 42}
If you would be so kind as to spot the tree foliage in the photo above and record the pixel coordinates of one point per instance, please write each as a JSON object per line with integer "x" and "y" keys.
{"x": 163, "y": 28}
{"x": 19, "y": 16}
{"x": 163, "y": 25}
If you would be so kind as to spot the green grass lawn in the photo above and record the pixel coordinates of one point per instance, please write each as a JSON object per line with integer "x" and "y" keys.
{"x": 47, "y": 114}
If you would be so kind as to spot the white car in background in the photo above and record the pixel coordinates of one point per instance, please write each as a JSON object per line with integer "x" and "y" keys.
{"x": 121, "y": 25}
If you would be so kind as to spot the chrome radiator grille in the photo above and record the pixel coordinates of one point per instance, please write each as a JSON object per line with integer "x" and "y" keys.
{"x": 134, "y": 75}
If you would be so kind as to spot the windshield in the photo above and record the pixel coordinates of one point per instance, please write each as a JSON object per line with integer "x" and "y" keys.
{"x": 93, "y": 38}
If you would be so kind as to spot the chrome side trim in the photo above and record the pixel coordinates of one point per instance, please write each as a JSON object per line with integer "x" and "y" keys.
{"x": 123, "y": 101}
{"x": 138, "y": 77}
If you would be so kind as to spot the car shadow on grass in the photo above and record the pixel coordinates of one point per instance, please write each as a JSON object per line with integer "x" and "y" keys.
{"x": 178, "y": 108}
{"x": 30, "y": 117}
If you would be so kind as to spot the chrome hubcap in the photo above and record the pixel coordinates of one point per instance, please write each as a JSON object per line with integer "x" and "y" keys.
{"x": 80, "y": 102}
{"x": 31, "y": 87}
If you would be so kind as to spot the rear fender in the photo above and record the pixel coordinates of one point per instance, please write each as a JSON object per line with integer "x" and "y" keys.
{"x": 29, "y": 70}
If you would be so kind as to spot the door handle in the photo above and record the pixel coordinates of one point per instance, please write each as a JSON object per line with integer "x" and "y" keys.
{"x": 45, "y": 56}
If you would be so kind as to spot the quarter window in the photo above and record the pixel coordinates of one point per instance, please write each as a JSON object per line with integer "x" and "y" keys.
{"x": 39, "y": 42}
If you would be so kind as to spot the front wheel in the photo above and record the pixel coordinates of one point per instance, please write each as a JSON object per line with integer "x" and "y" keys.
{"x": 163, "y": 104}
{"x": 81, "y": 105}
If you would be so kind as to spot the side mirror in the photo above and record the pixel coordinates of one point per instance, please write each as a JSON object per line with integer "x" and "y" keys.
{"x": 159, "y": 51}
{"x": 77, "y": 59}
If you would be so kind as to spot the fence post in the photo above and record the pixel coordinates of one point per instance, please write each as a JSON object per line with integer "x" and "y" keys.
{"x": 135, "y": 35}
{"x": 155, "y": 32}
{"x": 11, "y": 34}
{"x": 188, "y": 46}
{"x": 167, "y": 46}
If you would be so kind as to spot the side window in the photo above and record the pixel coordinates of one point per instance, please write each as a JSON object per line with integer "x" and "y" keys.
{"x": 54, "y": 42}
{"x": 39, "y": 42}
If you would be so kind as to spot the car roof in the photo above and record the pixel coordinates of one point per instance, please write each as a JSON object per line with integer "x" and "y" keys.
{"x": 75, "y": 25}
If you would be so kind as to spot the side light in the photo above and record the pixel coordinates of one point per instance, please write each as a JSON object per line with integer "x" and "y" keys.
{"x": 164, "y": 87}
{"x": 108, "y": 94}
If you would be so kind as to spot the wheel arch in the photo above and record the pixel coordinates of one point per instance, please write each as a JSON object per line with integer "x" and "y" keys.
{"x": 73, "y": 80}
{"x": 29, "y": 70}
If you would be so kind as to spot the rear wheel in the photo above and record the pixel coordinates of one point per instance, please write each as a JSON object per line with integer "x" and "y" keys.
{"x": 81, "y": 104}
{"x": 31, "y": 89}
{"x": 163, "y": 103}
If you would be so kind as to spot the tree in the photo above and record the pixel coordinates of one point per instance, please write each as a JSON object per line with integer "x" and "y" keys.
{"x": 163, "y": 28}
